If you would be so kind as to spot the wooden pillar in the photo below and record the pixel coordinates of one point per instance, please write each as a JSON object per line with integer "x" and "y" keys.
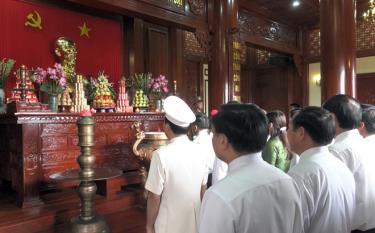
{"x": 225, "y": 23}
{"x": 133, "y": 46}
{"x": 338, "y": 47}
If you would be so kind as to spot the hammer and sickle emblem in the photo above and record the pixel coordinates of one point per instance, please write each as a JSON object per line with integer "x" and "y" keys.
{"x": 34, "y": 21}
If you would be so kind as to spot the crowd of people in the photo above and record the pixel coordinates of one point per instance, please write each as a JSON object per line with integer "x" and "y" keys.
{"x": 316, "y": 174}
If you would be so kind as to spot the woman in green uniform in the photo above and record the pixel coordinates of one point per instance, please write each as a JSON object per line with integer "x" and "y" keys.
{"x": 275, "y": 152}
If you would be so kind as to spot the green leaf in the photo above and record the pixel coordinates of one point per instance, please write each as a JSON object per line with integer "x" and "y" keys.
{"x": 5, "y": 68}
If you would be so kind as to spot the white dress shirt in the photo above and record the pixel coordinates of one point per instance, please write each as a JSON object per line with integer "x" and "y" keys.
{"x": 219, "y": 171}
{"x": 294, "y": 161}
{"x": 371, "y": 140}
{"x": 204, "y": 138}
{"x": 253, "y": 197}
{"x": 327, "y": 190}
{"x": 177, "y": 172}
{"x": 351, "y": 148}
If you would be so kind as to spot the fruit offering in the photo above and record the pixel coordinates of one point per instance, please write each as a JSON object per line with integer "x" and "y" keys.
{"x": 140, "y": 99}
{"x": 139, "y": 82}
{"x": 103, "y": 94}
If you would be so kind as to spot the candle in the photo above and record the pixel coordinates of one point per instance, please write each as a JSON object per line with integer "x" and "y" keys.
{"x": 174, "y": 87}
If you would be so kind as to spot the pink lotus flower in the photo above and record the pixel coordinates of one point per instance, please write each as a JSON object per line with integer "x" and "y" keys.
{"x": 158, "y": 86}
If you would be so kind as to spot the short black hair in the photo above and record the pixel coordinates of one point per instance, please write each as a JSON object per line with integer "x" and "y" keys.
{"x": 233, "y": 102}
{"x": 365, "y": 106}
{"x": 317, "y": 122}
{"x": 178, "y": 130}
{"x": 295, "y": 105}
{"x": 368, "y": 118}
{"x": 202, "y": 121}
{"x": 245, "y": 126}
{"x": 294, "y": 112}
{"x": 294, "y": 109}
{"x": 347, "y": 110}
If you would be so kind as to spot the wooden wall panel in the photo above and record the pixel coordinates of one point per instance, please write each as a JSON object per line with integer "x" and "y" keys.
{"x": 270, "y": 88}
{"x": 191, "y": 85}
{"x": 295, "y": 86}
{"x": 365, "y": 88}
{"x": 157, "y": 50}
{"x": 247, "y": 75}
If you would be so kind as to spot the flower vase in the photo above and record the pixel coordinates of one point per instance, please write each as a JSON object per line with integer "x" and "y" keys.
{"x": 2, "y": 101}
{"x": 158, "y": 105}
{"x": 52, "y": 102}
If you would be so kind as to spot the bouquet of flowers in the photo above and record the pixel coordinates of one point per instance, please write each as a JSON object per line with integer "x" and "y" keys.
{"x": 158, "y": 86}
{"x": 51, "y": 80}
{"x": 5, "y": 68}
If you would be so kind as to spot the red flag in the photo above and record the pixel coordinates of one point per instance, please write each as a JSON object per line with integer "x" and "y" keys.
{"x": 34, "y": 47}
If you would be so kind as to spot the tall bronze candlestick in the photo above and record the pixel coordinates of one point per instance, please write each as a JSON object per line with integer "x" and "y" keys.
{"x": 87, "y": 221}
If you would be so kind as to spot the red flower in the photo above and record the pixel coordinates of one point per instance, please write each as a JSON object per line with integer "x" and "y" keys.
{"x": 85, "y": 113}
{"x": 214, "y": 112}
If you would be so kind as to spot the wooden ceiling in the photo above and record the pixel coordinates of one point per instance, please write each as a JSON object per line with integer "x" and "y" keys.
{"x": 306, "y": 14}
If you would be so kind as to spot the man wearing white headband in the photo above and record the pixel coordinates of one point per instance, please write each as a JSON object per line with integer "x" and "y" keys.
{"x": 177, "y": 176}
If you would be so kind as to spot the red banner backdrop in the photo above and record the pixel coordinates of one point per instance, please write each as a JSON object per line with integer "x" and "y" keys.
{"x": 34, "y": 47}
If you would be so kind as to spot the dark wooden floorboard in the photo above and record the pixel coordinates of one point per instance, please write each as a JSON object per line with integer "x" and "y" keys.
{"x": 122, "y": 213}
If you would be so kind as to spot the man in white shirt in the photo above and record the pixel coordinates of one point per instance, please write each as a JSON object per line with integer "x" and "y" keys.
{"x": 367, "y": 125}
{"x": 350, "y": 147}
{"x": 254, "y": 196}
{"x": 219, "y": 171}
{"x": 177, "y": 176}
{"x": 326, "y": 184}
{"x": 202, "y": 136}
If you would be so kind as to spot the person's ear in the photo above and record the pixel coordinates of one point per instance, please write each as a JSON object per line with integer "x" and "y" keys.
{"x": 223, "y": 141}
{"x": 270, "y": 127}
{"x": 361, "y": 125}
{"x": 301, "y": 133}
{"x": 195, "y": 129}
{"x": 362, "y": 129}
{"x": 167, "y": 129}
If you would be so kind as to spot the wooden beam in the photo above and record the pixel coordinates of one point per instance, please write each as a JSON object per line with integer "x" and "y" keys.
{"x": 150, "y": 12}
{"x": 269, "y": 44}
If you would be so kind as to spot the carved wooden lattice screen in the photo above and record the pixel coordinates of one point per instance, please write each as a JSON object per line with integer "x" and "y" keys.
{"x": 365, "y": 39}
{"x": 191, "y": 45}
{"x": 365, "y": 35}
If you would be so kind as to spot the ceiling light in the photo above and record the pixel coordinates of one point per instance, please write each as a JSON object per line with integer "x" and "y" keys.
{"x": 296, "y": 3}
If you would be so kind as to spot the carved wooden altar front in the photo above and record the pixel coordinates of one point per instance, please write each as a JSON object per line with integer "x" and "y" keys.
{"x": 35, "y": 145}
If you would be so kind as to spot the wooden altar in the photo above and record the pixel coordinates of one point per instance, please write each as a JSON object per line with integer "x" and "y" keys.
{"x": 35, "y": 145}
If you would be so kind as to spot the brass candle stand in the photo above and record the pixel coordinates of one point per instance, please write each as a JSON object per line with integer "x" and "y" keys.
{"x": 88, "y": 221}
